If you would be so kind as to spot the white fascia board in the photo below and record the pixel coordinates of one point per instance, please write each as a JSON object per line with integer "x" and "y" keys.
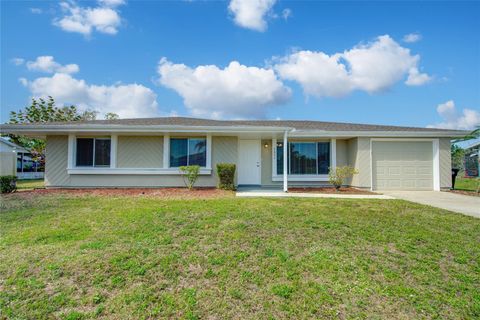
{"x": 380, "y": 134}
{"x": 122, "y": 128}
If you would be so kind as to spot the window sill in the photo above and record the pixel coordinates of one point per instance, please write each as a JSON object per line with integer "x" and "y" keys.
{"x": 306, "y": 177}
{"x": 133, "y": 171}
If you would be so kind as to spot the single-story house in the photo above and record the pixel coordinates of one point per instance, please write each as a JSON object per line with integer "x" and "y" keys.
{"x": 17, "y": 161}
{"x": 147, "y": 152}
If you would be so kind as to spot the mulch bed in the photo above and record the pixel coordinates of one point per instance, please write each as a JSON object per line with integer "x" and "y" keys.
{"x": 464, "y": 192}
{"x": 343, "y": 190}
{"x": 168, "y": 193}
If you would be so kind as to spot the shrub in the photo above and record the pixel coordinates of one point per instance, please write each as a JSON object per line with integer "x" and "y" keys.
{"x": 337, "y": 175}
{"x": 8, "y": 184}
{"x": 190, "y": 175}
{"x": 226, "y": 176}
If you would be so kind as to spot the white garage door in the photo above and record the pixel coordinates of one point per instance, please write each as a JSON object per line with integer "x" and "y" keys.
{"x": 402, "y": 165}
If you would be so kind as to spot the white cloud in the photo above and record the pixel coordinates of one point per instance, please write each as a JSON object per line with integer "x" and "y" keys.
{"x": 236, "y": 91}
{"x": 372, "y": 67}
{"x": 84, "y": 20}
{"x": 251, "y": 14}
{"x": 467, "y": 120}
{"x": 36, "y": 10}
{"x": 415, "y": 78}
{"x": 18, "y": 61}
{"x": 412, "y": 37}
{"x": 286, "y": 13}
{"x": 49, "y": 65}
{"x": 126, "y": 100}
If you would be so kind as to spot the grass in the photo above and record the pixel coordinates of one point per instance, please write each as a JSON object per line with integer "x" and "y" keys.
{"x": 72, "y": 257}
{"x": 467, "y": 184}
{"x": 30, "y": 184}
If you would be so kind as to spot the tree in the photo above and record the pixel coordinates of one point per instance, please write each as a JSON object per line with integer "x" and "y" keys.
{"x": 41, "y": 110}
{"x": 111, "y": 116}
{"x": 458, "y": 154}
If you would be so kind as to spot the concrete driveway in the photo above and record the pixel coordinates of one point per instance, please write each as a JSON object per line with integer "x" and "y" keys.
{"x": 468, "y": 205}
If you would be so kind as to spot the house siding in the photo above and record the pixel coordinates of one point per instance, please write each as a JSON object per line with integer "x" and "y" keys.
{"x": 140, "y": 152}
{"x": 224, "y": 149}
{"x": 359, "y": 158}
{"x": 56, "y": 162}
{"x": 445, "y": 163}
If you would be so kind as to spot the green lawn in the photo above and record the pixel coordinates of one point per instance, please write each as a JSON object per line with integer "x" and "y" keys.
{"x": 30, "y": 184}
{"x": 79, "y": 257}
{"x": 466, "y": 184}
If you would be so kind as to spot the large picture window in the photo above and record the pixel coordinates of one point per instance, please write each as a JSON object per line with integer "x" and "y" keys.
{"x": 188, "y": 151}
{"x": 93, "y": 152}
{"x": 305, "y": 158}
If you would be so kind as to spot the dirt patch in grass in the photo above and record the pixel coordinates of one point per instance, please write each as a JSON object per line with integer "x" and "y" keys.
{"x": 343, "y": 190}
{"x": 465, "y": 192}
{"x": 167, "y": 193}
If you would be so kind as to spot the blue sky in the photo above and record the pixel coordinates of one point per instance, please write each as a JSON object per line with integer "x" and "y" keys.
{"x": 331, "y": 61}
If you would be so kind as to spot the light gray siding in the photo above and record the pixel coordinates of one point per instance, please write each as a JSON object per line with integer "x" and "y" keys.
{"x": 224, "y": 149}
{"x": 56, "y": 161}
{"x": 342, "y": 152}
{"x": 445, "y": 163}
{"x": 140, "y": 152}
{"x": 359, "y": 158}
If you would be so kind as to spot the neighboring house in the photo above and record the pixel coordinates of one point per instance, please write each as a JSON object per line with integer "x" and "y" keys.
{"x": 472, "y": 160}
{"x": 16, "y": 160}
{"x": 148, "y": 152}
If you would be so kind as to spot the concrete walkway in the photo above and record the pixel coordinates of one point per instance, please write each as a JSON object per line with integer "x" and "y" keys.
{"x": 281, "y": 194}
{"x": 468, "y": 205}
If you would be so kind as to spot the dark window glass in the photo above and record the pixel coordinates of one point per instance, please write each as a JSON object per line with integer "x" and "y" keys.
{"x": 102, "y": 152}
{"x": 279, "y": 158}
{"x": 178, "y": 152}
{"x": 323, "y": 157}
{"x": 197, "y": 152}
{"x": 84, "y": 152}
{"x": 303, "y": 158}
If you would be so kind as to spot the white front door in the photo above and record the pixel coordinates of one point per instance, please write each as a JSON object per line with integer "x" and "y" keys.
{"x": 249, "y": 159}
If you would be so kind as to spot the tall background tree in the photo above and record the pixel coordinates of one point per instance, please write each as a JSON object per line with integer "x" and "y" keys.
{"x": 45, "y": 110}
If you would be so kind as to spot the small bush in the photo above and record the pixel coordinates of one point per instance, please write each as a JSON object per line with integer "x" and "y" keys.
{"x": 226, "y": 176}
{"x": 8, "y": 184}
{"x": 190, "y": 175}
{"x": 337, "y": 175}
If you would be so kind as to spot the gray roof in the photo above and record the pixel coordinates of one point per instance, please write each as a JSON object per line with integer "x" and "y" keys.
{"x": 303, "y": 125}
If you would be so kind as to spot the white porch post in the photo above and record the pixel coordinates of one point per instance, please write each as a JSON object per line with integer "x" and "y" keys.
{"x": 113, "y": 150}
{"x": 333, "y": 151}
{"x": 285, "y": 162}
{"x": 166, "y": 150}
{"x": 71, "y": 151}
{"x": 209, "y": 151}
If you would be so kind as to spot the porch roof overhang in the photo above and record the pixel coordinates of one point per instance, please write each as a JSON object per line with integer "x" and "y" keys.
{"x": 42, "y": 130}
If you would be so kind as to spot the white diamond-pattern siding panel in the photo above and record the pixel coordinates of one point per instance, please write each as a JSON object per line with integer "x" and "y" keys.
{"x": 224, "y": 150}
{"x": 363, "y": 163}
{"x": 56, "y": 162}
{"x": 445, "y": 163}
{"x": 402, "y": 165}
{"x": 140, "y": 152}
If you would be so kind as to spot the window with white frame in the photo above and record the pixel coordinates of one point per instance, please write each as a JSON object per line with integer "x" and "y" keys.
{"x": 304, "y": 158}
{"x": 188, "y": 151}
{"x": 93, "y": 152}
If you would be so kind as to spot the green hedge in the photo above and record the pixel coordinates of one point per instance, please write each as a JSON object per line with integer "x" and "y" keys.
{"x": 226, "y": 176}
{"x": 8, "y": 184}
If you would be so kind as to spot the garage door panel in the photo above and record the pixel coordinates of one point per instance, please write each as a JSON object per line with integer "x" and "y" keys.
{"x": 402, "y": 165}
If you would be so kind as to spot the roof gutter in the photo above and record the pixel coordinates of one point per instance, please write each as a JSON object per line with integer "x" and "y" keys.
{"x": 36, "y": 130}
